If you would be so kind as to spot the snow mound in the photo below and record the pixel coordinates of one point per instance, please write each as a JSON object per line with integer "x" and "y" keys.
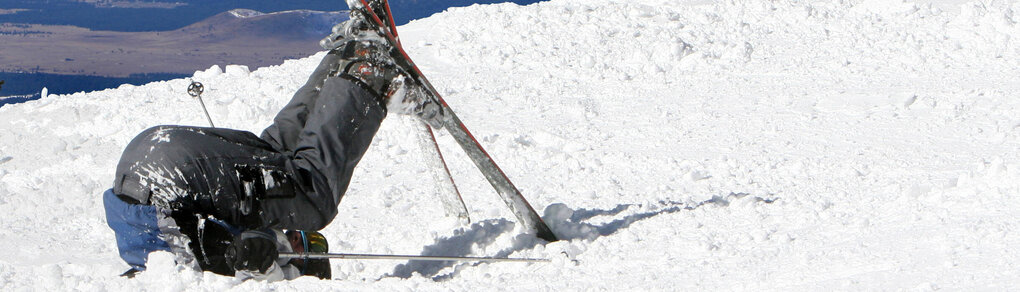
{"x": 674, "y": 145}
{"x": 245, "y": 13}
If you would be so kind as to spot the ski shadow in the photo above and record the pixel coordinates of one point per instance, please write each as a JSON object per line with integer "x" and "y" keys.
{"x": 460, "y": 244}
{"x": 566, "y": 223}
{"x": 570, "y": 224}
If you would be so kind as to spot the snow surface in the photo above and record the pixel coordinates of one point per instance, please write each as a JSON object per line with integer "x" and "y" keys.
{"x": 675, "y": 145}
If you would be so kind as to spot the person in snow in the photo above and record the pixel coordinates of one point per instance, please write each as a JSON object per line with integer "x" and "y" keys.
{"x": 220, "y": 199}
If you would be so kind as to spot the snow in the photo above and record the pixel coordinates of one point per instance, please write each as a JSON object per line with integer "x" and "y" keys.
{"x": 245, "y": 13}
{"x": 675, "y": 145}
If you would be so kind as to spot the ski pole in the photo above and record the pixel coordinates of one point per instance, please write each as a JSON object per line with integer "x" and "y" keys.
{"x": 404, "y": 257}
{"x": 195, "y": 90}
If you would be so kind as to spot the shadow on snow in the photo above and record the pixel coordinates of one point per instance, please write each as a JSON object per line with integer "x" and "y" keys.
{"x": 568, "y": 224}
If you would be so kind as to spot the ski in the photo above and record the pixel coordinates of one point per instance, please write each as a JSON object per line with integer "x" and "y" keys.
{"x": 496, "y": 177}
{"x": 449, "y": 195}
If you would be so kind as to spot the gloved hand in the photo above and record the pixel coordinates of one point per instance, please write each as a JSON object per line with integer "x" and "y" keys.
{"x": 252, "y": 250}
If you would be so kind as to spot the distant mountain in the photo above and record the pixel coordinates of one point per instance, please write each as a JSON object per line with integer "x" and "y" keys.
{"x": 245, "y": 37}
{"x": 117, "y": 16}
{"x": 165, "y": 15}
{"x": 134, "y": 4}
{"x": 298, "y": 25}
{"x": 85, "y": 45}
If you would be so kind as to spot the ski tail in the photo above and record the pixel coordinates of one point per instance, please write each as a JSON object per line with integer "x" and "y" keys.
{"x": 449, "y": 195}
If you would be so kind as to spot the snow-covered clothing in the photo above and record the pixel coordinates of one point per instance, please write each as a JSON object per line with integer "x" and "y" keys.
{"x": 292, "y": 177}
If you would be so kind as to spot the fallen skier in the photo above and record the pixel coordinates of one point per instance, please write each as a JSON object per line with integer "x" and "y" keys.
{"x": 220, "y": 199}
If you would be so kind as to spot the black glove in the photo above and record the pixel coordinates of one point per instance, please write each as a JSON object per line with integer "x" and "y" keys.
{"x": 252, "y": 250}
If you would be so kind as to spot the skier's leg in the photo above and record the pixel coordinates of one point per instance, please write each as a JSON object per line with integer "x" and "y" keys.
{"x": 283, "y": 133}
{"x": 338, "y": 130}
{"x": 240, "y": 179}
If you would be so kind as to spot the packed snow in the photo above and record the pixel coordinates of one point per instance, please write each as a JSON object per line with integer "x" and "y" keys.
{"x": 673, "y": 144}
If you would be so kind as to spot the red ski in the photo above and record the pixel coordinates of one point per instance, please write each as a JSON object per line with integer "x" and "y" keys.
{"x": 378, "y": 11}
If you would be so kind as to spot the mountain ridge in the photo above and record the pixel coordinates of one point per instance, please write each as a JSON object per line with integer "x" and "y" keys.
{"x": 266, "y": 39}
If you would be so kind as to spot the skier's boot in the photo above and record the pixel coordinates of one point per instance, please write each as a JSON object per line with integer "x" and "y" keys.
{"x": 357, "y": 27}
{"x": 406, "y": 96}
{"x": 368, "y": 59}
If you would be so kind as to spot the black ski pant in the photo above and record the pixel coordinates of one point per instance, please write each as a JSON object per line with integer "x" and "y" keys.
{"x": 291, "y": 177}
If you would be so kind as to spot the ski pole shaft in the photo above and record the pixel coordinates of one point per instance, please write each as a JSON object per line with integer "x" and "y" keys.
{"x": 405, "y": 257}
{"x": 207, "y": 116}
{"x": 195, "y": 90}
